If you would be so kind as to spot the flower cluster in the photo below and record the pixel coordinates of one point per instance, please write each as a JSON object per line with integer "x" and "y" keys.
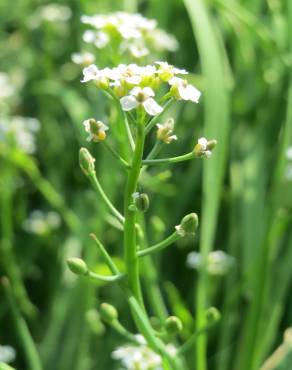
{"x": 136, "y": 86}
{"x": 19, "y": 132}
{"x": 218, "y": 262}
{"x": 130, "y": 34}
{"x": 140, "y": 357}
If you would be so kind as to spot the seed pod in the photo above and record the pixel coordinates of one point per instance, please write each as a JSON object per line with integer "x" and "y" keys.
{"x": 86, "y": 161}
{"x": 141, "y": 201}
{"x": 108, "y": 313}
{"x": 188, "y": 225}
{"x": 77, "y": 266}
{"x": 173, "y": 325}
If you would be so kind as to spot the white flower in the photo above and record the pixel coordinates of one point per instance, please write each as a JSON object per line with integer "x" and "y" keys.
{"x": 93, "y": 73}
{"x": 96, "y": 130}
{"x": 140, "y": 357}
{"x": 218, "y": 262}
{"x": 164, "y": 132}
{"x": 7, "y": 354}
{"x": 183, "y": 90}
{"x": 202, "y": 148}
{"x": 83, "y": 58}
{"x": 141, "y": 96}
{"x": 101, "y": 39}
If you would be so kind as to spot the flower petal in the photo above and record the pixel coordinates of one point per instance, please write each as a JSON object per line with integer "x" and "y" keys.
{"x": 128, "y": 102}
{"x": 148, "y": 91}
{"x": 193, "y": 93}
{"x": 151, "y": 107}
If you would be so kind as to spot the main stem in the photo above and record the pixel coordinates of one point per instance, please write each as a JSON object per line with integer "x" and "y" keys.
{"x": 130, "y": 252}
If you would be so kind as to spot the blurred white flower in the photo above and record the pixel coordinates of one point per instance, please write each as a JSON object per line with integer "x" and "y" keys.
{"x": 83, "y": 58}
{"x": 41, "y": 223}
{"x": 100, "y": 39}
{"x": 218, "y": 262}
{"x": 55, "y": 13}
{"x": 140, "y": 357}
{"x": 7, "y": 354}
{"x": 130, "y": 32}
{"x": 6, "y": 87}
{"x": 289, "y": 153}
{"x": 141, "y": 96}
{"x": 183, "y": 90}
{"x": 20, "y": 131}
{"x": 162, "y": 40}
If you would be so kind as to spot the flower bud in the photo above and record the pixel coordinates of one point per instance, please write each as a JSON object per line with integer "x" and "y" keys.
{"x": 108, "y": 313}
{"x": 77, "y": 266}
{"x": 164, "y": 131}
{"x": 86, "y": 161}
{"x": 173, "y": 325}
{"x": 212, "y": 315}
{"x": 188, "y": 225}
{"x": 204, "y": 147}
{"x": 140, "y": 201}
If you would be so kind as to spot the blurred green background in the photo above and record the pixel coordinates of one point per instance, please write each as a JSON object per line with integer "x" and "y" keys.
{"x": 239, "y": 54}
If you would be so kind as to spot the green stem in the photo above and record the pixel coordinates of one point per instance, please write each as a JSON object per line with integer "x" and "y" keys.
{"x": 119, "y": 328}
{"x": 105, "y": 255}
{"x": 30, "y": 350}
{"x": 180, "y": 158}
{"x": 125, "y": 119}
{"x": 130, "y": 253}
{"x": 116, "y": 155}
{"x": 98, "y": 187}
{"x": 107, "y": 279}
{"x": 159, "y": 246}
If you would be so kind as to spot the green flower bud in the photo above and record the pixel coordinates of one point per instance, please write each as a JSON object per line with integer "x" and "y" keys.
{"x": 188, "y": 225}
{"x": 86, "y": 161}
{"x": 212, "y": 315}
{"x": 173, "y": 325}
{"x": 108, "y": 313}
{"x": 141, "y": 201}
{"x": 211, "y": 144}
{"x": 93, "y": 320}
{"x": 77, "y": 266}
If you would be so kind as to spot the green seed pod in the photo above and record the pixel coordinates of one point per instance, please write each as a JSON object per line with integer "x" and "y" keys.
{"x": 108, "y": 313}
{"x": 77, "y": 266}
{"x": 173, "y": 325}
{"x": 188, "y": 225}
{"x": 141, "y": 201}
{"x": 86, "y": 161}
{"x": 212, "y": 315}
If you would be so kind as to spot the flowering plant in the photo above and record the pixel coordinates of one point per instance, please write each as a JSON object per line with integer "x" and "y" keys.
{"x": 142, "y": 94}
